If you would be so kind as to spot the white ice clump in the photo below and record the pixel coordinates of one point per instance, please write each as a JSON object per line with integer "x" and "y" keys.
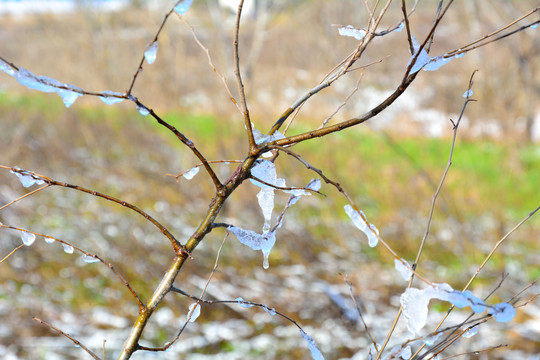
{"x": 467, "y": 94}
{"x": 89, "y": 259}
{"x": 183, "y": 7}
{"x": 314, "y": 184}
{"x": 151, "y": 52}
{"x": 109, "y": 98}
{"x": 261, "y": 138}
{"x": 191, "y": 173}
{"x": 69, "y": 96}
{"x": 263, "y": 242}
{"x": 415, "y": 304}
{"x": 425, "y": 61}
{"x": 502, "y": 312}
{"x": 403, "y": 267}
{"x": 68, "y": 249}
{"x": 4, "y": 66}
{"x": 351, "y": 31}
{"x": 242, "y": 304}
{"x": 194, "y": 312}
{"x": 315, "y": 352}
{"x": 26, "y": 178}
{"x": 357, "y": 218}
{"x": 471, "y": 332}
{"x": 27, "y": 238}
{"x": 143, "y": 110}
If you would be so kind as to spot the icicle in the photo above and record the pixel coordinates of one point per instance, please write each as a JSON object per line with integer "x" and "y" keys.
{"x": 263, "y": 242}
{"x": 183, "y": 7}
{"x": 108, "y": 97}
{"x": 151, "y": 52}
{"x": 349, "y": 30}
{"x": 191, "y": 173}
{"x": 27, "y": 238}
{"x": 69, "y": 96}
{"x": 194, "y": 312}
{"x": 315, "y": 352}
{"x": 68, "y": 249}
{"x": 403, "y": 268}
{"x": 89, "y": 259}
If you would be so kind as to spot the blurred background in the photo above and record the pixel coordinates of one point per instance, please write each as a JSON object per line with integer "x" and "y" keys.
{"x": 390, "y": 166}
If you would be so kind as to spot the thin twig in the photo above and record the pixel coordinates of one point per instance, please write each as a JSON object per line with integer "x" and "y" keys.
{"x": 12, "y": 251}
{"x": 75, "y": 341}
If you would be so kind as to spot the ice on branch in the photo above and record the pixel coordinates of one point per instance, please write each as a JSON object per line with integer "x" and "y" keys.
{"x": 534, "y": 26}
{"x": 151, "y": 52}
{"x": 471, "y": 332}
{"x": 68, "y": 249}
{"x": 425, "y": 61}
{"x": 430, "y": 340}
{"x": 89, "y": 259}
{"x": 400, "y": 27}
{"x": 261, "y": 138}
{"x": 314, "y": 184}
{"x": 415, "y": 304}
{"x": 191, "y": 173}
{"x": 143, "y": 110}
{"x": 263, "y": 242}
{"x": 194, "y": 312}
{"x": 183, "y": 7}
{"x": 48, "y": 240}
{"x": 68, "y": 93}
{"x": 398, "y": 352}
{"x": 27, "y": 238}
{"x": 315, "y": 352}
{"x": 351, "y": 31}
{"x": 26, "y": 178}
{"x": 5, "y": 67}
{"x": 110, "y": 97}
{"x": 360, "y": 221}
{"x": 467, "y": 94}
{"x": 242, "y": 304}
{"x": 403, "y": 267}
{"x": 271, "y": 311}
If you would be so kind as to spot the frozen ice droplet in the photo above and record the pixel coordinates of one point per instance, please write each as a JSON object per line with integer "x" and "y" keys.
{"x": 266, "y": 262}
{"x": 271, "y": 311}
{"x": 151, "y": 52}
{"x": 27, "y": 238}
{"x": 471, "y": 332}
{"x": 349, "y": 30}
{"x": 242, "y": 304}
{"x": 467, "y": 94}
{"x": 402, "y": 266}
{"x": 534, "y": 26}
{"x": 25, "y": 178}
{"x": 183, "y": 7}
{"x": 70, "y": 94}
{"x": 48, "y": 240}
{"x": 191, "y": 173}
{"x": 89, "y": 259}
{"x": 68, "y": 249}
{"x": 194, "y": 312}
{"x": 143, "y": 110}
{"x": 109, "y": 97}
{"x": 4, "y": 66}
{"x": 503, "y": 312}
{"x": 400, "y": 26}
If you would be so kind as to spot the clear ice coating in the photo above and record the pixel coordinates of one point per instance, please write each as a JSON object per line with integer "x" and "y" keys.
{"x": 502, "y": 312}
{"x": 69, "y": 96}
{"x": 351, "y": 31}
{"x": 467, "y": 94}
{"x": 271, "y": 311}
{"x": 534, "y": 26}
{"x": 183, "y": 7}
{"x": 194, "y": 312}
{"x": 402, "y": 266}
{"x": 5, "y": 67}
{"x": 191, "y": 173}
{"x": 242, "y": 304}
{"x": 415, "y": 304}
{"x": 357, "y": 218}
{"x": 27, "y": 238}
{"x": 263, "y": 242}
{"x": 315, "y": 352}
{"x": 68, "y": 249}
{"x": 266, "y": 171}
{"x": 89, "y": 259}
{"x": 48, "y": 240}
{"x": 151, "y": 52}
{"x": 471, "y": 332}
{"x": 426, "y": 62}
{"x": 26, "y": 178}
{"x": 109, "y": 98}
{"x": 143, "y": 110}
{"x": 430, "y": 340}
{"x": 400, "y": 26}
